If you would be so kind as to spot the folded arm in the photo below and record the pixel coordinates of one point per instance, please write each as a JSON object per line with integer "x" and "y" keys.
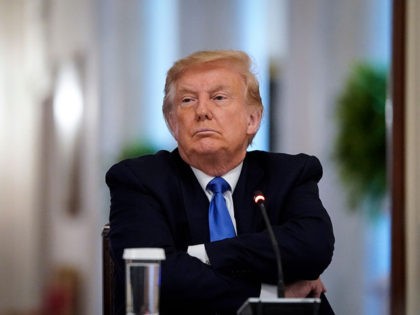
{"x": 302, "y": 228}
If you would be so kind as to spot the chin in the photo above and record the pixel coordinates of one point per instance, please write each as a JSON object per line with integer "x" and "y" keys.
{"x": 207, "y": 149}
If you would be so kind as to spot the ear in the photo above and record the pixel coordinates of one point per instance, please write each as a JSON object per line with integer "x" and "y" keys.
{"x": 254, "y": 120}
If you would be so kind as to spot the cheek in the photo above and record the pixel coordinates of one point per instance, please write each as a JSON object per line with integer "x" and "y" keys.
{"x": 237, "y": 127}
{"x": 175, "y": 132}
{"x": 173, "y": 124}
{"x": 181, "y": 127}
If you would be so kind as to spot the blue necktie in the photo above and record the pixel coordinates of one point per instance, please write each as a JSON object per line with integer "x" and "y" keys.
{"x": 220, "y": 223}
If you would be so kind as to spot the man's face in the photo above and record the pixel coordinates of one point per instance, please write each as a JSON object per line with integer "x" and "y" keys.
{"x": 210, "y": 115}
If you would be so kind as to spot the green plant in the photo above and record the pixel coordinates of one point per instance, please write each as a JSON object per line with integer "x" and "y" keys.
{"x": 136, "y": 149}
{"x": 360, "y": 145}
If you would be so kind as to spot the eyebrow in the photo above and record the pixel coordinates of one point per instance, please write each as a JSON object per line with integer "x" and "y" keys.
{"x": 217, "y": 88}
{"x": 185, "y": 90}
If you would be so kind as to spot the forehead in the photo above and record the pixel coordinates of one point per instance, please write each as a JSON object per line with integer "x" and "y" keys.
{"x": 205, "y": 76}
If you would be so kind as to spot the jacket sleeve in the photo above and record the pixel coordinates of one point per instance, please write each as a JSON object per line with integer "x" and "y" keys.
{"x": 138, "y": 219}
{"x": 302, "y": 228}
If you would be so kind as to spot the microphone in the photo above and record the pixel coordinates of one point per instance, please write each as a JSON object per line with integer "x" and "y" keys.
{"x": 281, "y": 304}
{"x": 259, "y": 199}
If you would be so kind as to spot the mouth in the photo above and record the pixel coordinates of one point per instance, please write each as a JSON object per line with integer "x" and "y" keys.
{"x": 204, "y": 132}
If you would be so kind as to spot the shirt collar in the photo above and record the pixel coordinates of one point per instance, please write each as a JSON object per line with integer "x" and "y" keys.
{"x": 231, "y": 177}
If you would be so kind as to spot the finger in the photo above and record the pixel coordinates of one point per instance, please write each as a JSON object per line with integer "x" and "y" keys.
{"x": 324, "y": 288}
{"x": 318, "y": 288}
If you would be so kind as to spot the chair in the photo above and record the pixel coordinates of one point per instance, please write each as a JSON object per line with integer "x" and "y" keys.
{"x": 107, "y": 274}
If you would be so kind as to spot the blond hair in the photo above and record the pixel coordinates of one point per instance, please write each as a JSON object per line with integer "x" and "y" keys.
{"x": 236, "y": 58}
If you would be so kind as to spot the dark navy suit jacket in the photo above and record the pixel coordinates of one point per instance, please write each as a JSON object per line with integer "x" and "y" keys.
{"x": 156, "y": 201}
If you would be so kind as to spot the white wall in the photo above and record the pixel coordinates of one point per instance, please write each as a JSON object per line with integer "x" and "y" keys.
{"x": 37, "y": 233}
{"x": 74, "y": 239}
{"x": 20, "y": 89}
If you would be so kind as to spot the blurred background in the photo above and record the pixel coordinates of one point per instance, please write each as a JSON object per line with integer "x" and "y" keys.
{"x": 81, "y": 87}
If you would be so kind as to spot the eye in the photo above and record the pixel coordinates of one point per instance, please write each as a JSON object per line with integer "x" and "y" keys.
{"x": 219, "y": 97}
{"x": 187, "y": 100}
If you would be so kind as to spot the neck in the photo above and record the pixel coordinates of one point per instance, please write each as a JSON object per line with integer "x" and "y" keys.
{"x": 213, "y": 165}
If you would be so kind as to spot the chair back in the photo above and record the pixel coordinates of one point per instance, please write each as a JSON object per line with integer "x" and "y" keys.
{"x": 107, "y": 274}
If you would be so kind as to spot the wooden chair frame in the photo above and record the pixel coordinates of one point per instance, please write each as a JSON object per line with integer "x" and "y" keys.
{"x": 107, "y": 274}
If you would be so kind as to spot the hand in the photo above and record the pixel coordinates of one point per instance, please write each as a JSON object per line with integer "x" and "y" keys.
{"x": 305, "y": 288}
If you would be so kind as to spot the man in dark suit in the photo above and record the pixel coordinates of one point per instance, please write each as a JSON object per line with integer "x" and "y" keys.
{"x": 213, "y": 109}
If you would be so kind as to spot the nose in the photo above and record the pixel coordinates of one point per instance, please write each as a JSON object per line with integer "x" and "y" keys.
{"x": 203, "y": 111}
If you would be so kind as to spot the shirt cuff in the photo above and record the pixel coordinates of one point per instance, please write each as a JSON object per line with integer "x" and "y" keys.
{"x": 199, "y": 251}
{"x": 268, "y": 291}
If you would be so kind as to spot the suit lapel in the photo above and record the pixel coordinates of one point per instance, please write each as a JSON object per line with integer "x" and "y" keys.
{"x": 195, "y": 202}
{"x": 247, "y": 215}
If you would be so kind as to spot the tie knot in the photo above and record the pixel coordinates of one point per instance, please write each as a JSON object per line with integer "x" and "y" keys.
{"x": 218, "y": 185}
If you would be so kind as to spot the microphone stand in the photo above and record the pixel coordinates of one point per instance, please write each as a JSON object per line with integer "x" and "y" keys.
{"x": 280, "y": 283}
{"x": 279, "y": 305}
